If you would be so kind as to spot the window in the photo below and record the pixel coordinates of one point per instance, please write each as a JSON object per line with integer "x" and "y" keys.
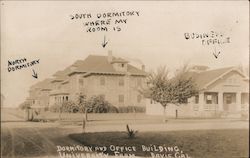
{"x": 81, "y": 83}
{"x": 139, "y": 81}
{"x": 209, "y": 99}
{"x": 121, "y": 98}
{"x": 102, "y": 80}
{"x": 229, "y": 99}
{"x": 152, "y": 101}
{"x": 196, "y": 99}
{"x": 122, "y": 65}
{"x": 139, "y": 98}
{"x": 66, "y": 98}
{"x": 121, "y": 81}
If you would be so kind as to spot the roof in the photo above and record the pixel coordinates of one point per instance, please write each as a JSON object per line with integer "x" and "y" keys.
{"x": 63, "y": 74}
{"x": 118, "y": 60}
{"x": 205, "y": 78}
{"x": 58, "y": 91}
{"x": 100, "y": 64}
{"x": 45, "y": 84}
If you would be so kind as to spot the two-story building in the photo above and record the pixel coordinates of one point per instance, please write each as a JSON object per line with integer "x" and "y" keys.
{"x": 113, "y": 78}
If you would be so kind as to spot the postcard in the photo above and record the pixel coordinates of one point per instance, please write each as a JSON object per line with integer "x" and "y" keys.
{"x": 124, "y": 79}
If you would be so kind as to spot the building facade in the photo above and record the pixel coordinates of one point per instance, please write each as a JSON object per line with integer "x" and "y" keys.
{"x": 113, "y": 78}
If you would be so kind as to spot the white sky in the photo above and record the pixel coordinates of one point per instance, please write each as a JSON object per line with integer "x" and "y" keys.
{"x": 43, "y": 30}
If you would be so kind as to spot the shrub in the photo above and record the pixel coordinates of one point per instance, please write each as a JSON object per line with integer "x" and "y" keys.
{"x": 70, "y": 107}
{"x": 131, "y": 109}
{"x": 97, "y": 104}
{"x": 55, "y": 108}
{"x": 24, "y": 106}
{"x": 112, "y": 109}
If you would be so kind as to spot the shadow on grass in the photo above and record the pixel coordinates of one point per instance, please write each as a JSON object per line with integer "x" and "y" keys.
{"x": 199, "y": 143}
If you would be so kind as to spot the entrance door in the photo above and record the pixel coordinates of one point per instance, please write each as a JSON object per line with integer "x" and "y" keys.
{"x": 229, "y": 102}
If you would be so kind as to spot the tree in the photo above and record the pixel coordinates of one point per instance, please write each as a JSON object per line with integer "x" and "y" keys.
{"x": 166, "y": 90}
{"x": 27, "y": 107}
{"x": 82, "y": 103}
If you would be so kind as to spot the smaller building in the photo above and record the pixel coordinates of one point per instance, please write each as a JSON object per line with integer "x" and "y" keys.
{"x": 222, "y": 92}
{"x": 39, "y": 94}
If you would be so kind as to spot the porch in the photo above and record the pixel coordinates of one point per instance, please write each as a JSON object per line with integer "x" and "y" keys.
{"x": 229, "y": 102}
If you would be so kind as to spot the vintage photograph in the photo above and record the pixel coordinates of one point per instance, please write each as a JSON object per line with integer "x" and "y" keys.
{"x": 124, "y": 79}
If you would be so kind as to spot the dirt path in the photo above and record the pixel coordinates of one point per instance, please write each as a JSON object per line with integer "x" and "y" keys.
{"x": 33, "y": 140}
{"x": 21, "y": 139}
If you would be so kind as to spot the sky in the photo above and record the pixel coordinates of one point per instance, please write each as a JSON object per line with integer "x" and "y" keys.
{"x": 44, "y": 30}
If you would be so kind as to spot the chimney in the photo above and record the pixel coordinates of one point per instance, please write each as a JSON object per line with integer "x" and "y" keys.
{"x": 143, "y": 67}
{"x": 110, "y": 56}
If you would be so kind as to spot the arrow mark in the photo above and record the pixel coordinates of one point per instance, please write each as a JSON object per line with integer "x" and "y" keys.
{"x": 104, "y": 42}
{"x": 215, "y": 53}
{"x": 34, "y": 74}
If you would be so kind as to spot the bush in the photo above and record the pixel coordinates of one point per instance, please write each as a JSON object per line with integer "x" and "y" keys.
{"x": 131, "y": 109}
{"x": 55, "y": 108}
{"x": 70, "y": 107}
{"x": 97, "y": 104}
{"x": 112, "y": 109}
{"x": 24, "y": 106}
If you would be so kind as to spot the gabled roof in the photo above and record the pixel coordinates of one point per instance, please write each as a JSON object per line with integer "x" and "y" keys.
{"x": 100, "y": 64}
{"x": 63, "y": 74}
{"x": 206, "y": 78}
{"x": 45, "y": 84}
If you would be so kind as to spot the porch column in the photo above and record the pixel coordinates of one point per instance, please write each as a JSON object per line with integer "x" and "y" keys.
{"x": 220, "y": 101}
{"x": 238, "y": 101}
{"x": 201, "y": 101}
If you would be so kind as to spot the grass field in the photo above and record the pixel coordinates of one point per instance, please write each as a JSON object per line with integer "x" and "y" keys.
{"x": 198, "y": 143}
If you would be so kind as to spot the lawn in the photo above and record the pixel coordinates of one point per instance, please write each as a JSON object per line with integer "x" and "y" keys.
{"x": 198, "y": 143}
